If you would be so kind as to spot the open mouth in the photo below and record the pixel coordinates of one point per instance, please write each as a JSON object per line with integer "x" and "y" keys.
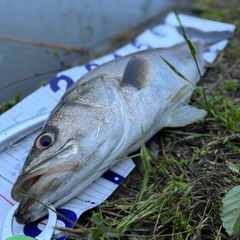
{"x": 35, "y": 180}
{"x": 39, "y": 186}
{"x": 31, "y": 187}
{"x": 35, "y": 194}
{"x": 22, "y": 189}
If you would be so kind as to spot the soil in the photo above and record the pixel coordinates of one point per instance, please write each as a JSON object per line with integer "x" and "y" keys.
{"x": 204, "y": 160}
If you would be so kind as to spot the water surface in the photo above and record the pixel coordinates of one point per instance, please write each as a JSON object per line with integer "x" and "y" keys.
{"x": 79, "y": 23}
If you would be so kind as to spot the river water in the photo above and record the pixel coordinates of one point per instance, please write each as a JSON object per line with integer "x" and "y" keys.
{"x": 73, "y": 23}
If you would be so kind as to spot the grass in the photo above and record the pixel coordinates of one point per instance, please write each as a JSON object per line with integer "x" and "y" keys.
{"x": 6, "y": 106}
{"x": 190, "y": 169}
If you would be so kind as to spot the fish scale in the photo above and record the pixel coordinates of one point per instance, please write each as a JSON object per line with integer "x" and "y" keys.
{"x": 99, "y": 121}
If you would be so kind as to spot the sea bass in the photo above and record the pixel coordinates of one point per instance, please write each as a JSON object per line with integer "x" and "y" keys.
{"x": 99, "y": 122}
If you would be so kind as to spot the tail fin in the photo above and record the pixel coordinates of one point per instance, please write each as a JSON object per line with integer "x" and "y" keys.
{"x": 208, "y": 38}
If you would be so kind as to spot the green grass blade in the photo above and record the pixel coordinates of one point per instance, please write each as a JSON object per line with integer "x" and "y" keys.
{"x": 145, "y": 159}
{"x": 175, "y": 70}
{"x": 193, "y": 53}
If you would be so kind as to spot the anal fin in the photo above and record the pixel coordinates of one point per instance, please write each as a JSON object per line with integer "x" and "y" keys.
{"x": 185, "y": 115}
{"x": 179, "y": 112}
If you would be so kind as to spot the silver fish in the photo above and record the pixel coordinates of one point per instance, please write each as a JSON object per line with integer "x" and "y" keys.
{"x": 98, "y": 122}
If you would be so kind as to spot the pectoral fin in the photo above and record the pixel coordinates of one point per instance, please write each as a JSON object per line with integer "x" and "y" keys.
{"x": 181, "y": 114}
{"x": 137, "y": 73}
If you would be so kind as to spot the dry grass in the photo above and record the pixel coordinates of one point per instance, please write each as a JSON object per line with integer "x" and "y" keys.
{"x": 190, "y": 168}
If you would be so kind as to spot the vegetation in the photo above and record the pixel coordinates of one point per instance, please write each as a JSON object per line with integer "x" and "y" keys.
{"x": 5, "y": 106}
{"x": 190, "y": 170}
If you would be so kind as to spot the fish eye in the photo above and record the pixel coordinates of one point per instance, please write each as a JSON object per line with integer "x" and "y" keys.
{"x": 44, "y": 140}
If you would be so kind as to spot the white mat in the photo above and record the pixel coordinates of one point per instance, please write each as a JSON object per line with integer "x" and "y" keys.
{"x": 44, "y": 100}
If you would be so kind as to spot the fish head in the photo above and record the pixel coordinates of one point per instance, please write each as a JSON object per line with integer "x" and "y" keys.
{"x": 66, "y": 157}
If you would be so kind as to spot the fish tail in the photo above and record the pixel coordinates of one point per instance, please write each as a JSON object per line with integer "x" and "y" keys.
{"x": 208, "y": 38}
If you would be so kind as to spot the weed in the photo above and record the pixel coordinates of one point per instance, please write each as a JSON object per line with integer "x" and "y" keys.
{"x": 5, "y": 106}
{"x": 180, "y": 194}
{"x": 43, "y": 83}
{"x": 194, "y": 165}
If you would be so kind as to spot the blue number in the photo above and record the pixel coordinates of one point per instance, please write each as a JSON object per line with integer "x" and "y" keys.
{"x": 139, "y": 45}
{"x": 113, "y": 177}
{"x": 54, "y": 83}
{"x": 159, "y": 34}
{"x": 91, "y": 66}
{"x": 32, "y": 229}
{"x": 116, "y": 55}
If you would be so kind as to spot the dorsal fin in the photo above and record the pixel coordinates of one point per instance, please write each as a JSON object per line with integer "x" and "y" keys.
{"x": 137, "y": 73}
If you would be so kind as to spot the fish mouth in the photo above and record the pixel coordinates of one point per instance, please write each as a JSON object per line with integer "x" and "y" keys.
{"x": 40, "y": 186}
{"x": 32, "y": 204}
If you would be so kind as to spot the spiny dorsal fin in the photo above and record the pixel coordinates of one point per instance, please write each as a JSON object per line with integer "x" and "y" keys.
{"x": 137, "y": 73}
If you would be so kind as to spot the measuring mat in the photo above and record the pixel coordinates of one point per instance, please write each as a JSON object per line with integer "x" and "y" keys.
{"x": 45, "y": 99}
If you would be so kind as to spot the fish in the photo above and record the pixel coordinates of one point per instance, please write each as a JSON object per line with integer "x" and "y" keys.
{"x": 99, "y": 122}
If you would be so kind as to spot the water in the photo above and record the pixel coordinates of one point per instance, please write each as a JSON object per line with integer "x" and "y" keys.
{"x": 78, "y": 23}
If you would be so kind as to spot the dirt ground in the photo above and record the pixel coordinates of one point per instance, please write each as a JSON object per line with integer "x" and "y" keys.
{"x": 201, "y": 159}
{"x": 190, "y": 169}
